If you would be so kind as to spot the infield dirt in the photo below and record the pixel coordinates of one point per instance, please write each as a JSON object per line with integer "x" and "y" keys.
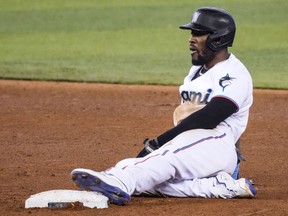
{"x": 50, "y": 128}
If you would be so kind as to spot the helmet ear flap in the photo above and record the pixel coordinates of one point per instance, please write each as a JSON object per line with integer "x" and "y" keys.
{"x": 220, "y": 39}
{"x": 214, "y": 43}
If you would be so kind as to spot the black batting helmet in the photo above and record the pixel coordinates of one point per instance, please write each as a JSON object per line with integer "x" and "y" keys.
{"x": 217, "y": 22}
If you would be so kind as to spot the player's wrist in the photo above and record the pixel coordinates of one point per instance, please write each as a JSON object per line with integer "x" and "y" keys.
{"x": 151, "y": 145}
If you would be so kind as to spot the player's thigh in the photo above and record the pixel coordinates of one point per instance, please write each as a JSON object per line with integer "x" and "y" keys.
{"x": 202, "y": 153}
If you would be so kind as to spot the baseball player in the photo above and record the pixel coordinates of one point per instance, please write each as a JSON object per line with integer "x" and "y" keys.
{"x": 197, "y": 156}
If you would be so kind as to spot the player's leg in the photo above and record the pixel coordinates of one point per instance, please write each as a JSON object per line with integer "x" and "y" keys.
{"x": 220, "y": 186}
{"x": 191, "y": 188}
{"x": 193, "y": 154}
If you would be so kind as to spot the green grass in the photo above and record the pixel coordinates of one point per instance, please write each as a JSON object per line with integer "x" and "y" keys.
{"x": 132, "y": 41}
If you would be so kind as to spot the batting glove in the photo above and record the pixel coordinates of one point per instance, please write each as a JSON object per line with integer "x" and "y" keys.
{"x": 149, "y": 146}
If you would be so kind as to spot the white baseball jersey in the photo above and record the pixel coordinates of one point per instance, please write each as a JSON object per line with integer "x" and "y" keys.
{"x": 229, "y": 79}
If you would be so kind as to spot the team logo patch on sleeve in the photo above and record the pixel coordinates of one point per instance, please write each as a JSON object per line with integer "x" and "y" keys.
{"x": 225, "y": 81}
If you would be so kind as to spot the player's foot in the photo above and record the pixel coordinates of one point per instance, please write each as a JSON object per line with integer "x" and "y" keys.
{"x": 101, "y": 182}
{"x": 227, "y": 187}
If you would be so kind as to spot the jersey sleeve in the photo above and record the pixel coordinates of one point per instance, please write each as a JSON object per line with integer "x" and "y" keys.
{"x": 235, "y": 87}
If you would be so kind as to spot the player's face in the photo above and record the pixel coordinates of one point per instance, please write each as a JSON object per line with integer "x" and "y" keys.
{"x": 200, "y": 53}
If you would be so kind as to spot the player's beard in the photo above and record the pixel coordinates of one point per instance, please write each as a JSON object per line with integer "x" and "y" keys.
{"x": 205, "y": 56}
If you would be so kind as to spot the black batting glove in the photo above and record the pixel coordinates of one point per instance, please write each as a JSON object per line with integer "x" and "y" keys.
{"x": 150, "y": 146}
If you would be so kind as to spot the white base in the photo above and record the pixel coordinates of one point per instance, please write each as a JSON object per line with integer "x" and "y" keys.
{"x": 89, "y": 199}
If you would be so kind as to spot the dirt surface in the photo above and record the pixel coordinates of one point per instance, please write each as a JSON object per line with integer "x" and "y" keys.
{"x": 48, "y": 129}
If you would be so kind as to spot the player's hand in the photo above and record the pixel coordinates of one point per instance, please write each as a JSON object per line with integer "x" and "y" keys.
{"x": 150, "y": 146}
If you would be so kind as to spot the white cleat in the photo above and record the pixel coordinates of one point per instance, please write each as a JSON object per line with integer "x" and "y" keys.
{"x": 227, "y": 187}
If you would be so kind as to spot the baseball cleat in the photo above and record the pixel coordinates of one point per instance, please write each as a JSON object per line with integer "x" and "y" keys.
{"x": 103, "y": 183}
{"x": 250, "y": 188}
{"x": 227, "y": 187}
